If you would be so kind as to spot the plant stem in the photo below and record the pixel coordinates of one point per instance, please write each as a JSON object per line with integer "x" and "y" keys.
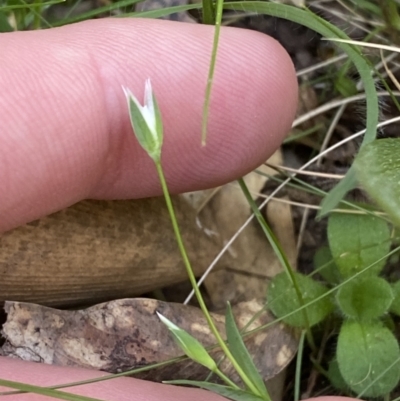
{"x": 207, "y": 97}
{"x": 61, "y": 395}
{"x": 225, "y": 378}
{"x": 193, "y": 282}
{"x": 298, "y": 367}
{"x": 276, "y": 246}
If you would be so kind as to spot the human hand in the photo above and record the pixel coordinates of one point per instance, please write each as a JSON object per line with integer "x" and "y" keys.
{"x": 66, "y": 134}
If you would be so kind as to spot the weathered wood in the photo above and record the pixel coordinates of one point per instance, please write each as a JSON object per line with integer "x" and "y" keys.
{"x": 99, "y": 250}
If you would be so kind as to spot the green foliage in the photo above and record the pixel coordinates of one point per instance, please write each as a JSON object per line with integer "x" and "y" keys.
{"x": 364, "y": 68}
{"x": 240, "y": 353}
{"x": 378, "y": 170}
{"x": 367, "y": 351}
{"x": 326, "y": 266}
{"x": 395, "y": 307}
{"x": 4, "y": 24}
{"x": 368, "y": 356}
{"x": 283, "y": 300}
{"x": 146, "y": 121}
{"x": 189, "y": 345}
{"x": 345, "y": 86}
{"x": 358, "y": 241}
{"x": 335, "y": 376}
{"x": 225, "y": 391}
{"x": 365, "y": 299}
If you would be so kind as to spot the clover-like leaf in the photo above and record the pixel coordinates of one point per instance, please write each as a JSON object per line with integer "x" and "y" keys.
{"x": 377, "y": 168}
{"x": 357, "y": 241}
{"x": 369, "y": 358}
{"x": 326, "y": 266}
{"x": 283, "y": 300}
{"x": 365, "y": 299}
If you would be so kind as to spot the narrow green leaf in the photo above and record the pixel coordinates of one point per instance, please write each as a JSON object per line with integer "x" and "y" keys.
{"x": 299, "y": 360}
{"x": 378, "y": 170}
{"x": 356, "y": 241}
{"x": 364, "y": 352}
{"x": 4, "y": 23}
{"x": 190, "y": 345}
{"x": 345, "y": 86}
{"x": 364, "y": 68}
{"x": 108, "y": 9}
{"x": 14, "y": 6}
{"x": 163, "y": 12}
{"x": 240, "y": 353}
{"x": 282, "y": 299}
{"x": 227, "y": 392}
{"x": 365, "y": 299}
{"x": 57, "y": 394}
{"x": 208, "y": 12}
{"x": 338, "y": 193}
{"x": 210, "y": 78}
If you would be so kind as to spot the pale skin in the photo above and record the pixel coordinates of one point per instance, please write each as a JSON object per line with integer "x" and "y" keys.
{"x": 65, "y": 134}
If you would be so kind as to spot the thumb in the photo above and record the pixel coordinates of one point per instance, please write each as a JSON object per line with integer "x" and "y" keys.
{"x": 66, "y": 134}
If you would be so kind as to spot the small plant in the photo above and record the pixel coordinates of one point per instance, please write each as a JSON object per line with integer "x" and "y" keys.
{"x": 367, "y": 359}
{"x": 148, "y": 128}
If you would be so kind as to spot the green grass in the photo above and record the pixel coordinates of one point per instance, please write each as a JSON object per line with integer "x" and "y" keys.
{"x": 28, "y": 15}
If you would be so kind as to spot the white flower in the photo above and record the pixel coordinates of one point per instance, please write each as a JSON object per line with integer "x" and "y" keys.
{"x": 146, "y": 121}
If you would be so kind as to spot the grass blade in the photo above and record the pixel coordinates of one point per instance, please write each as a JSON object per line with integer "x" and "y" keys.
{"x": 364, "y": 68}
{"x": 211, "y": 70}
{"x": 61, "y": 395}
{"x": 240, "y": 353}
{"x": 228, "y": 392}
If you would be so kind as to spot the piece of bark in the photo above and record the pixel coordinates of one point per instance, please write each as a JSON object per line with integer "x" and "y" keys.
{"x": 126, "y": 334}
{"x": 98, "y": 250}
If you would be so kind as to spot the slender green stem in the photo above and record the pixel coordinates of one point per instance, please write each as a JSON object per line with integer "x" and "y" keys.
{"x": 298, "y": 367}
{"x": 276, "y": 246}
{"x": 226, "y": 379}
{"x": 36, "y": 20}
{"x": 207, "y": 98}
{"x": 61, "y": 395}
{"x": 193, "y": 282}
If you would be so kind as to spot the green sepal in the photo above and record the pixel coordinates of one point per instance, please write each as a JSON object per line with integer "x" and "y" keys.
{"x": 190, "y": 345}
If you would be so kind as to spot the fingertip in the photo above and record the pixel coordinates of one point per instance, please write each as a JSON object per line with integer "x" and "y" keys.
{"x": 71, "y": 138}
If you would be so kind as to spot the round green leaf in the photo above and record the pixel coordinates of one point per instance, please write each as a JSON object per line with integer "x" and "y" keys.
{"x": 326, "y": 266}
{"x": 365, "y": 299}
{"x": 356, "y": 241}
{"x": 395, "y": 307}
{"x": 368, "y": 356}
{"x": 378, "y": 171}
{"x": 336, "y": 377}
{"x": 283, "y": 299}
